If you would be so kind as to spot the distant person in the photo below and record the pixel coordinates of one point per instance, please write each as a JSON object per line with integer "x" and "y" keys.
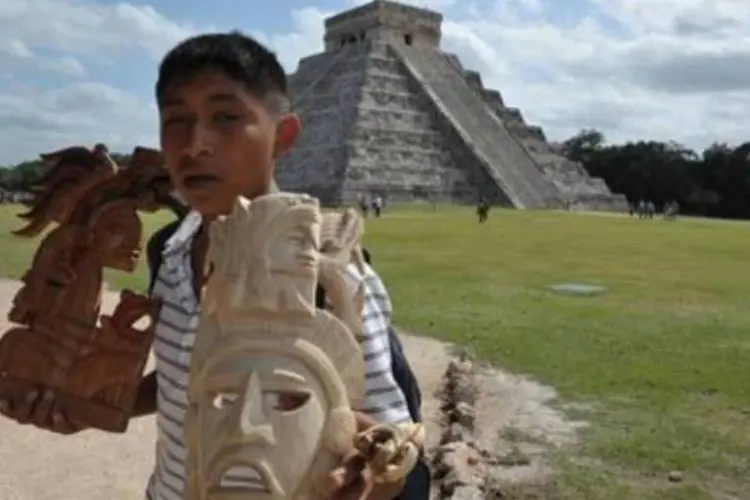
{"x": 671, "y": 209}
{"x": 483, "y": 210}
{"x": 364, "y": 206}
{"x": 641, "y": 209}
{"x": 650, "y": 209}
{"x": 377, "y": 205}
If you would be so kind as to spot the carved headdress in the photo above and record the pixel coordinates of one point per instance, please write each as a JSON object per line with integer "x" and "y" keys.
{"x": 78, "y": 181}
{"x": 72, "y": 173}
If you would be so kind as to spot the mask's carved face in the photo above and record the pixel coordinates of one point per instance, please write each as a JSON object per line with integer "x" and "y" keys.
{"x": 264, "y": 257}
{"x": 118, "y": 234}
{"x": 254, "y": 408}
{"x": 292, "y": 258}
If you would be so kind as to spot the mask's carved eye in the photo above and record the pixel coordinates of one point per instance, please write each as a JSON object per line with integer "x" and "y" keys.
{"x": 285, "y": 401}
{"x": 224, "y": 399}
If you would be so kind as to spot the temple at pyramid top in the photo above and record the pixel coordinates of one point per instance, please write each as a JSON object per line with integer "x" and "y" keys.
{"x": 385, "y": 21}
{"x": 386, "y": 112}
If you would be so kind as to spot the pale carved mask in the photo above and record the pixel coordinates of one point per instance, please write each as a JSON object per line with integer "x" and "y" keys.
{"x": 272, "y": 379}
{"x": 264, "y": 257}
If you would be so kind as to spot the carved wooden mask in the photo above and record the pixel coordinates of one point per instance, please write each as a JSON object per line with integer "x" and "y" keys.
{"x": 272, "y": 378}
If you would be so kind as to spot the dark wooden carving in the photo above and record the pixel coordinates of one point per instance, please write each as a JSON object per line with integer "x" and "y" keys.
{"x": 94, "y": 364}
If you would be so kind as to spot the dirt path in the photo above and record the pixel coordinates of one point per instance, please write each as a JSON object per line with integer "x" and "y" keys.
{"x": 37, "y": 465}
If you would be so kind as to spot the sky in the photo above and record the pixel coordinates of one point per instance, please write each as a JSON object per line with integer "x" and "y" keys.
{"x": 82, "y": 71}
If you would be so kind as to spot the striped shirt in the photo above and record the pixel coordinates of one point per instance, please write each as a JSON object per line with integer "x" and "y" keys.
{"x": 175, "y": 333}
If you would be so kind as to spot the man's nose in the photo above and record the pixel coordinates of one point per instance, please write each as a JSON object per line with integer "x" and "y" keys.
{"x": 201, "y": 140}
{"x": 252, "y": 422}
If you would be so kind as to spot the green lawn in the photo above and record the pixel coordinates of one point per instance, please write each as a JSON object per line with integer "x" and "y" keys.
{"x": 661, "y": 359}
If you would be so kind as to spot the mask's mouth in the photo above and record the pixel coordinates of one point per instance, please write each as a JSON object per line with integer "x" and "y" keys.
{"x": 245, "y": 478}
{"x": 133, "y": 253}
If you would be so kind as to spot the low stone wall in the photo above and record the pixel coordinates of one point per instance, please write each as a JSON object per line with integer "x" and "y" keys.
{"x": 495, "y": 432}
{"x": 457, "y": 466}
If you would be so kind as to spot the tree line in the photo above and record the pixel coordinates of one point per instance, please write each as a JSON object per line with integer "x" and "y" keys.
{"x": 712, "y": 183}
{"x": 22, "y": 176}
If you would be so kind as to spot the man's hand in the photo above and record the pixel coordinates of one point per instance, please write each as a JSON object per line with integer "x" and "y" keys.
{"x": 353, "y": 480}
{"x": 39, "y": 409}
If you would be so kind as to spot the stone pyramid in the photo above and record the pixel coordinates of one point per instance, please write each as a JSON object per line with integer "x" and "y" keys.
{"x": 385, "y": 111}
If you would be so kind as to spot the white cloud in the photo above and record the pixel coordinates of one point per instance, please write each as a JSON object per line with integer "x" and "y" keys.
{"x": 632, "y": 68}
{"x": 47, "y": 40}
{"x": 85, "y": 27}
{"x": 34, "y": 120}
{"x": 16, "y": 56}
{"x": 427, "y": 4}
{"x": 661, "y": 69}
{"x": 305, "y": 39}
{"x": 683, "y": 17}
{"x": 14, "y": 48}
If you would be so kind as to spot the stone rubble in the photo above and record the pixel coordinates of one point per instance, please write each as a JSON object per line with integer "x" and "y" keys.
{"x": 483, "y": 454}
{"x": 458, "y": 466}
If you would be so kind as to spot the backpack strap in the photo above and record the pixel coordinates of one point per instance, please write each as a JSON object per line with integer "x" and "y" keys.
{"x": 404, "y": 376}
{"x": 155, "y": 248}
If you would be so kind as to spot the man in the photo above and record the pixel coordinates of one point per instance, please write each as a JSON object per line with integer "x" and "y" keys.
{"x": 224, "y": 119}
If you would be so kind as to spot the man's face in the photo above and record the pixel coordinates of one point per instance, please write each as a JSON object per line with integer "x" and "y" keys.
{"x": 257, "y": 411}
{"x": 219, "y": 141}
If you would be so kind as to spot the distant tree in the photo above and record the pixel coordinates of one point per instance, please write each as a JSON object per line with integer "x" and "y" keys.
{"x": 583, "y": 145}
{"x": 25, "y": 174}
{"x": 713, "y": 183}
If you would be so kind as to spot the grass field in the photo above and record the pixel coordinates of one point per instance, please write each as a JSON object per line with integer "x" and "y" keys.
{"x": 661, "y": 362}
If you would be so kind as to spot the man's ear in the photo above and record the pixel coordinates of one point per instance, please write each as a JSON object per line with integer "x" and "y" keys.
{"x": 287, "y": 131}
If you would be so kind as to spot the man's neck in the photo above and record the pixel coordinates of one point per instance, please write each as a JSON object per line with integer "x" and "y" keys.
{"x": 272, "y": 188}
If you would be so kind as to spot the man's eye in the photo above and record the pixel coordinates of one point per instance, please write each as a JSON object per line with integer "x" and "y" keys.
{"x": 174, "y": 120}
{"x": 225, "y": 117}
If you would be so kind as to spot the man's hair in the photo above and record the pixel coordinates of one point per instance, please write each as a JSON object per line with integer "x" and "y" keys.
{"x": 238, "y": 56}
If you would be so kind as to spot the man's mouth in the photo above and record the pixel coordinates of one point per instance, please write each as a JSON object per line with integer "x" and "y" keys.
{"x": 199, "y": 181}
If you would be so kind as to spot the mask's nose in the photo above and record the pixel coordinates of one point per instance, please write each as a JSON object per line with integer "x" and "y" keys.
{"x": 249, "y": 414}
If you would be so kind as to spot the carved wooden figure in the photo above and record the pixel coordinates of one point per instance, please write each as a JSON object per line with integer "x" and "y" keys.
{"x": 391, "y": 450}
{"x": 273, "y": 379}
{"x": 340, "y": 237}
{"x": 93, "y": 368}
